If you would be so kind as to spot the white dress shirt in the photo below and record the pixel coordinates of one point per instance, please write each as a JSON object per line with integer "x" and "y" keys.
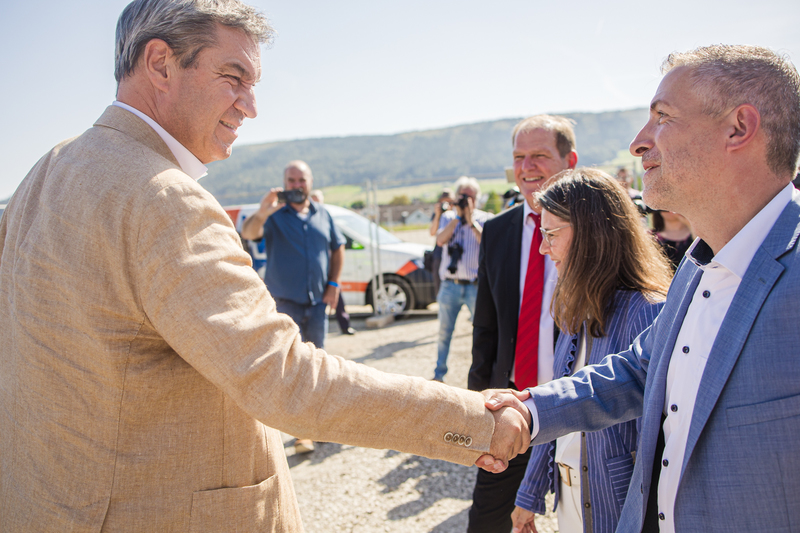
{"x": 546, "y": 323}
{"x": 712, "y": 298}
{"x": 186, "y": 159}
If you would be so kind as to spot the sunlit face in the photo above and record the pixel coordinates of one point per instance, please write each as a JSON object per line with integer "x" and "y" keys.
{"x": 678, "y": 147}
{"x": 559, "y": 239}
{"x": 295, "y": 178}
{"x": 469, "y": 191}
{"x": 209, "y": 101}
{"x": 536, "y": 159}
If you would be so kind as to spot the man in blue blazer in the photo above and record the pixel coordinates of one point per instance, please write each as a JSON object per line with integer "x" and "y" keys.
{"x": 716, "y": 378}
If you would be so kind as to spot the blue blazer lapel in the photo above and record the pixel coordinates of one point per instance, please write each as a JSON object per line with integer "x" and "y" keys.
{"x": 760, "y": 277}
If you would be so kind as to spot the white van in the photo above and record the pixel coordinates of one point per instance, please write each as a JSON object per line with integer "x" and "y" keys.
{"x": 407, "y": 284}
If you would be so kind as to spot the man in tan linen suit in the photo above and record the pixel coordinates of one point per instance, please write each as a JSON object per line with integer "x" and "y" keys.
{"x": 142, "y": 362}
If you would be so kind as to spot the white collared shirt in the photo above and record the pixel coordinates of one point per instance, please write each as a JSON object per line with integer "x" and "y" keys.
{"x": 546, "y": 323}
{"x": 186, "y": 159}
{"x": 712, "y": 298}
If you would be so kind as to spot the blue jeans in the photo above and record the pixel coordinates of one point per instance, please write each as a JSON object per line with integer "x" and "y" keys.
{"x": 312, "y": 320}
{"x": 451, "y": 297}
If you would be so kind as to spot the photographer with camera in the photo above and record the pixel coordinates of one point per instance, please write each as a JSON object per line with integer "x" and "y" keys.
{"x": 299, "y": 237}
{"x": 459, "y": 235}
{"x": 442, "y": 205}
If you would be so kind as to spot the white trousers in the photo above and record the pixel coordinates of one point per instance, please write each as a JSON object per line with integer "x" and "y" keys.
{"x": 569, "y": 511}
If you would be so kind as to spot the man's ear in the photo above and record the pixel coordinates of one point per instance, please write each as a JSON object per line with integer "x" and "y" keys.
{"x": 742, "y": 125}
{"x": 572, "y": 159}
{"x": 156, "y": 62}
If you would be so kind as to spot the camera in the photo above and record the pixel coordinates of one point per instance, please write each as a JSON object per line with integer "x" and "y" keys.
{"x": 463, "y": 201}
{"x": 292, "y": 196}
{"x": 455, "y": 251}
{"x": 445, "y": 206}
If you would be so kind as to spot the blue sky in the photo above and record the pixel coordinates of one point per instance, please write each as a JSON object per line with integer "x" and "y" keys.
{"x": 379, "y": 66}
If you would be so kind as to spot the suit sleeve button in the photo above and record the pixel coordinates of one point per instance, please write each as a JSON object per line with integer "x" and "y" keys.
{"x": 468, "y": 442}
{"x": 461, "y": 440}
{"x": 448, "y": 437}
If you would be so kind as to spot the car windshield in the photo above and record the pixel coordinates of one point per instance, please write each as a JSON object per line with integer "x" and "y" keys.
{"x": 359, "y": 227}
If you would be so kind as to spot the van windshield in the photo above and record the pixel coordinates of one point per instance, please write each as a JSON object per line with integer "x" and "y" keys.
{"x": 359, "y": 229}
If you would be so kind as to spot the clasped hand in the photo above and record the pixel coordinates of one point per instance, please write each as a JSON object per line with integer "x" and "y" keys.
{"x": 512, "y": 428}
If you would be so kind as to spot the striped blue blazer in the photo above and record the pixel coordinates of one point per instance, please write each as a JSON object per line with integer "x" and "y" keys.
{"x": 610, "y": 451}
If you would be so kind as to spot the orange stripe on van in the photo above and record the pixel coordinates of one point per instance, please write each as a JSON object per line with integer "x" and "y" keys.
{"x": 352, "y": 286}
{"x": 407, "y": 269}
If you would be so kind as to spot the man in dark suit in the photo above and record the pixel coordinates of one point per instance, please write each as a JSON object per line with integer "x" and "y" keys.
{"x": 515, "y": 286}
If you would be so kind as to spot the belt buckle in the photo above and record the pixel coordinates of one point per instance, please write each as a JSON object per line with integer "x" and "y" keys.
{"x": 564, "y": 471}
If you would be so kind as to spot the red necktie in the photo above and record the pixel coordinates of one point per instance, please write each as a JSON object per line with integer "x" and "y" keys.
{"x": 526, "y": 354}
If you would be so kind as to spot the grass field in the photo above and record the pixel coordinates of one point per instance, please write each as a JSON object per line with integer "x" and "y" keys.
{"x": 345, "y": 195}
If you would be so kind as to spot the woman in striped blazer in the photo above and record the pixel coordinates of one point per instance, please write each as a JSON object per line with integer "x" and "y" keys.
{"x": 612, "y": 282}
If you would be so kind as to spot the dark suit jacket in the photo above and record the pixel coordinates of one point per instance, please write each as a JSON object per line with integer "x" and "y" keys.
{"x": 494, "y": 332}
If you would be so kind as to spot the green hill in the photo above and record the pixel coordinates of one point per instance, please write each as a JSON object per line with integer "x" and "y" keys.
{"x": 481, "y": 150}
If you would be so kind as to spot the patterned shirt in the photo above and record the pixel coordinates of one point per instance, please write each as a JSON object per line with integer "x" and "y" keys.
{"x": 467, "y": 267}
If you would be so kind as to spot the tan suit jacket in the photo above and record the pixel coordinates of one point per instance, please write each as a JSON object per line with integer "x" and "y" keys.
{"x": 143, "y": 365}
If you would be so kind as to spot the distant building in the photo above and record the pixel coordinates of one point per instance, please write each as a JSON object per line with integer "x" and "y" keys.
{"x": 418, "y": 217}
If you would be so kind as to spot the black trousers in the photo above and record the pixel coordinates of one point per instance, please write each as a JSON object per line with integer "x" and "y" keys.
{"x": 342, "y": 317}
{"x": 494, "y": 496}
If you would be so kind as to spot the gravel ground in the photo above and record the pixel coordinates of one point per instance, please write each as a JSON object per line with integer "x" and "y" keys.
{"x": 351, "y": 489}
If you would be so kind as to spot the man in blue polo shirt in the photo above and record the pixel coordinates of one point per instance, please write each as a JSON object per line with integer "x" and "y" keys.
{"x": 304, "y": 249}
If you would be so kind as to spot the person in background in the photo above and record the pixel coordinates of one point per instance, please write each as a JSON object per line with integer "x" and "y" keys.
{"x": 674, "y": 235}
{"x": 612, "y": 282}
{"x": 459, "y": 235}
{"x": 444, "y": 203}
{"x": 342, "y": 317}
{"x": 300, "y": 237}
{"x": 625, "y": 178}
{"x": 512, "y": 198}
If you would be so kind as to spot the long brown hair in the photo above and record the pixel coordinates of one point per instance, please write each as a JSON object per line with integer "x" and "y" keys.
{"x": 610, "y": 249}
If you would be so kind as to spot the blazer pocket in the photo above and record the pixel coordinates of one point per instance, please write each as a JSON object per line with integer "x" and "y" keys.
{"x": 763, "y": 412}
{"x": 620, "y": 471}
{"x": 237, "y": 509}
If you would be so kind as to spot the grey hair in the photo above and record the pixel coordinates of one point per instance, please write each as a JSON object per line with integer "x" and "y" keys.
{"x": 465, "y": 181}
{"x": 561, "y": 127}
{"x": 187, "y": 26}
{"x": 727, "y": 76}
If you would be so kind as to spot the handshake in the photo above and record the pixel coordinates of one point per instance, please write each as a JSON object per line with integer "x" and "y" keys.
{"x": 512, "y": 428}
